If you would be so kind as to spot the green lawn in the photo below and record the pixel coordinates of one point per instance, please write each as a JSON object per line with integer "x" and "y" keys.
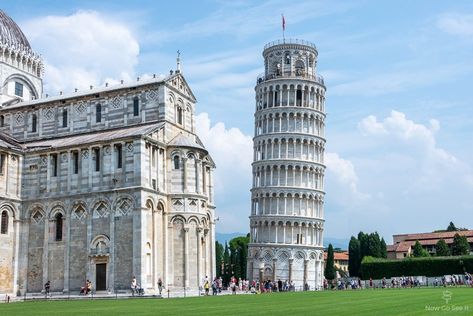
{"x": 366, "y": 302}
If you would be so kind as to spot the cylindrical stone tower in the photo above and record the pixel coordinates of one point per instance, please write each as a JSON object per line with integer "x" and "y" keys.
{"x": 286, "y": 221}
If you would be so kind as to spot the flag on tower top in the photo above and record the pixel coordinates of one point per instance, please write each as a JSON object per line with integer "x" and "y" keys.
{"x": 283, "y": 22}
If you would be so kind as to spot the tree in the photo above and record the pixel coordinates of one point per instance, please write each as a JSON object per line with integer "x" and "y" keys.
{"x": 329, "y": 265}
{"x": 384, "y": 249}
{"x": 354, "y": 257}
{"x": 218, "y": 257}
{"x": 226, "y": 264}
{"x": 460, "y": 245}
{"x": 374, "y": 245}
{"x": 418, "y": 251}
{"x": 451, "y": 227}
{"x": 363, "y": 239}
{"x": 441, "y": 248}
{"x": 239, "y": 255}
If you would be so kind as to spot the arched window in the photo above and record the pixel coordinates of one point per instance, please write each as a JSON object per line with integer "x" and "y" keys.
{"x": 4, "y": 228}
{"x": 136, "y": 106}
{"x": 176, "y": 162}
{"x": 64, "y": 118}
{"x": 179, "y": 115}
{"x": 34, "y": 123}
{"x": 300, "y": 68}
{"x": 58, "y": 227}
{"x": 287, "y": 58}
{"x": 98, "y": 113}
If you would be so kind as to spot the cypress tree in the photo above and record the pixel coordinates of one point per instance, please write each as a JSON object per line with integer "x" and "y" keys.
{"x": 451, "y": 227}
{"x": 374, "y": 245}
{"x": 329, "y": 265}
{"x": 354, "y": 257}
{"x": 418, "y": 251}
{"x": 218, "y": 258}
{"x": 384, "y": 249}
{"x": 441, "y": 248}
{"x": 363, "y": 239}
{"x": 460, "y": 245}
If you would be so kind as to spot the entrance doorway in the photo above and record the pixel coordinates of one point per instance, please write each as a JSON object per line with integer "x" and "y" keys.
{"x": 101, "y": 276}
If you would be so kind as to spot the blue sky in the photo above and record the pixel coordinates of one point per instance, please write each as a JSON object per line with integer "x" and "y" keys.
{"x": 398, "y": 75}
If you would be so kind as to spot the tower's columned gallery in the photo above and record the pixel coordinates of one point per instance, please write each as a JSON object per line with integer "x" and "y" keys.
{"x": 287, "y": 197}
{"x": 102, "y": 184}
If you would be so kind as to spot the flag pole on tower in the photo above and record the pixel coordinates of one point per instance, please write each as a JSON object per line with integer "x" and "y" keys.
{"x": 283, "y": 21}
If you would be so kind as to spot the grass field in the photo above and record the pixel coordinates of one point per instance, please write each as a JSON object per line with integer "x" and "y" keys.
{"x": 366, "y": 302}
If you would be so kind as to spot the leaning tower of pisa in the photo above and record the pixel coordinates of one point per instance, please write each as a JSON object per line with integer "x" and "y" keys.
{"x": 287, "y": 213}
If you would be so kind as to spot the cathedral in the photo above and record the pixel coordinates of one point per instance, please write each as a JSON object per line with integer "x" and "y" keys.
{"x": 102, "y": 184}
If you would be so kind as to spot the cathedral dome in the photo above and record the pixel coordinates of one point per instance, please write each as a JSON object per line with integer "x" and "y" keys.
{"x": 10, "y": 32}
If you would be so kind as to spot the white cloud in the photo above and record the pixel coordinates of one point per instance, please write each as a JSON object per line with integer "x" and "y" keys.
{"x": 82, "y": 49}
{"x": 346, "y": 179}
{"x": 232, "y": 152}
{"x": 456, "y": 24}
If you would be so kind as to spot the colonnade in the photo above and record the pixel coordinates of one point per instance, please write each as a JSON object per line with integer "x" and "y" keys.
{"x": 274, "y": 95}
{"x": 290, "y": 122}
{"x": 288, "y": 204}
{"x": 286, "y": 232}
{"x": 288, "y": 148}
{"x": 21, "y": 58}
{"x": 288, "y": 176}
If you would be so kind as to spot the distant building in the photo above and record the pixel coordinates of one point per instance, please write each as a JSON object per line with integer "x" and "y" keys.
{"x": 340, "y": 261}
{"x": 404, "y": 244}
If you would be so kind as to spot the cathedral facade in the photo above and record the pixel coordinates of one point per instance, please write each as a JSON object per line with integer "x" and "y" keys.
{"x": 103, "y": 184}
{"x": 287, "y": 212}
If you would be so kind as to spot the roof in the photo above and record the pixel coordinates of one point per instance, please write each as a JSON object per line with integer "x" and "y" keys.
{"x": 9, "y": 142}
{"x": 186, "y": 140}
{"x": 400, "y": 247}
{"x": 439, "y": 235}
{"x": 95, "y": 136}
{"x": 10, "y": 32}
{"x": 404, "y": 246}
{"x": 338, "y": 256}
{"x": 157, "y": 79}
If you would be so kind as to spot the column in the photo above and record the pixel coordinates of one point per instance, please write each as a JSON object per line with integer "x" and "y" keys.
{"x": 290, "y": 269}
{"x": 184, "y": 171}
{"x": 69, "y": 171}
{"x": 48, "y": 175}
{"x": 186, "y": 256}
{"x": 46, "y": 248}
{"x": 199, "y": 255}
{"x": 274, "y": 269}
{"x": 6, "y": 167}
{"x": 67, "y": 223}
{"x": 197, "y": 175}
{"x": 306, "y": 261}
{"x": 91, "y": 168}
{"x": 284, "y": 232}
{"x": 16, "y": 265}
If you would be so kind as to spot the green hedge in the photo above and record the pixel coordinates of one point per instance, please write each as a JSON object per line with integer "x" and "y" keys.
{"x": 431, "y": 266}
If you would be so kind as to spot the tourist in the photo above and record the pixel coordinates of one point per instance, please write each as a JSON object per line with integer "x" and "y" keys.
{"x": 160, "y": 285}
{"x": 47, "y": 287}
{"x": 206, "y": 287}
{"x": 233, "y": 285}
{"x": 371, "y": 283}
{"x": 133, "y": 286}
{"x": 215, "y": 287}
{"x": 89, "y": 287}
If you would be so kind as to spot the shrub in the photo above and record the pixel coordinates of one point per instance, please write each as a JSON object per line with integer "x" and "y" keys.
{"x": 429, "y": 266}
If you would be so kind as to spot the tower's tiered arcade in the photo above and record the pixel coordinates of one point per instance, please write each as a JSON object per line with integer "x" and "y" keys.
{"x": 286, "y": 221}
